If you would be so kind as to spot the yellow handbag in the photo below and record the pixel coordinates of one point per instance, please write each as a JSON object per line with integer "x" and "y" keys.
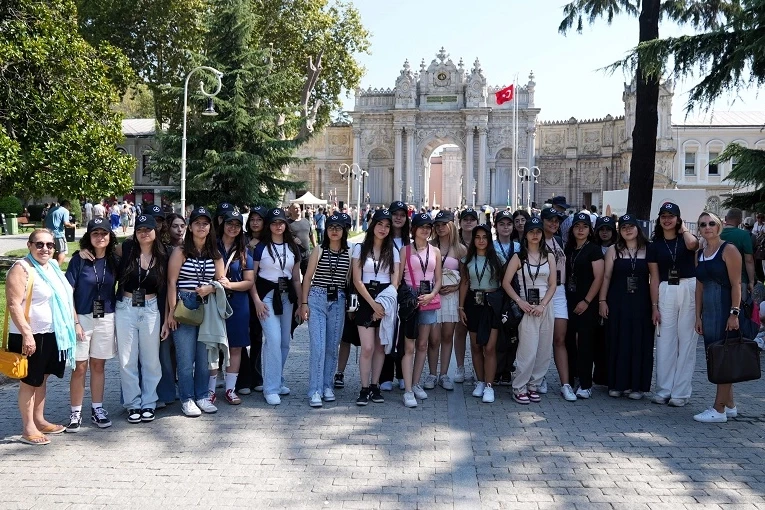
{"x": 12, "y": 364}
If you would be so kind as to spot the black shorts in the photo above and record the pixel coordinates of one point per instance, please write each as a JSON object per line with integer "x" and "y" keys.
{"x": 364, "y": 313}
{"x": 474, "y": 312}
{"x": 45, "y": 361}
{"x": 351, "y": 332}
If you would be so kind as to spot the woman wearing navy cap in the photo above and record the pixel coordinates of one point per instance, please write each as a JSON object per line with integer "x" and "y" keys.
{"x": 481, "y": 275}
{"x": 375, "y": 267}
{"x": 468, "y": 219}
{"x": 422, "y": 271}
{"x": 323, "y": 306}
{"x": 190, "y": 273}
{"x": 625, "y": 301}
{"x": 94, "y": 300}
{"x": 671, "y": 261}
{"x": 584, "y": 277}
{"x": 535, "y": 267}
{"x": 605, "y": 237}
{"x": 277, "y": 266}
{"x": 238, "y": 269}
{"x": 505, "y": 248}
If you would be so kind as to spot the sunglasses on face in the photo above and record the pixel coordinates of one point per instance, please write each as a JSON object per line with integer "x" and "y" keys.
{"x": 40, "y": 245}
{"x": 704, "y": 224}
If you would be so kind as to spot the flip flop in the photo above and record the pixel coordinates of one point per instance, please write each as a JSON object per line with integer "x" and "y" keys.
{"x": 53, "y": 429}
{"x": 35, "y": 440}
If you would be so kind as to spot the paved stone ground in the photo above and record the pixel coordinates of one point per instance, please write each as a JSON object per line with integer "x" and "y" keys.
{"x": 450, "y": 452}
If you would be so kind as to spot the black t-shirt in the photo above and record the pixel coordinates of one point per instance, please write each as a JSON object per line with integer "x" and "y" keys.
{"x": 579, "y": 270}
{"x": 662, "y": 252}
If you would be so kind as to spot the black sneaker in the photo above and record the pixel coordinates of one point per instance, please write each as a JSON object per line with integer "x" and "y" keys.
{"x": 75, "y": 420}
{"x": 376, "y": 397}
{"x": 134, "y": 416}
{"x": 100, "y": 417}
{"x": 339, "y": 380}
{"x": 363, "y": 397}
{"x": 147, "y": 414}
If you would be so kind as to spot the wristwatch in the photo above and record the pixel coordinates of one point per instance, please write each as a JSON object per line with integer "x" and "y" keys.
{"x": 735, "y": 311}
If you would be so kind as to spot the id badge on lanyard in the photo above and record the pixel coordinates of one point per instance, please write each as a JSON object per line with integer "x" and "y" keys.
{"x": 632, "y": 284}
{"x": 283, "y": 284}
{"x": 373, "y": 287}
{"x": 139, "y": 298}
{"x": 480, "y": 297}
{"x": 425, "y": 287}
{"x": 533, "y": 297}
{"x": 674, "y": 277}
{"x": 98, "y": 308}
{"x": 332, "y": 292}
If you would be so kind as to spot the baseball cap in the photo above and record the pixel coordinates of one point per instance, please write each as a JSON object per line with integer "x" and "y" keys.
{"x": 669, "y": 207}
{"x": 199, "y": 212}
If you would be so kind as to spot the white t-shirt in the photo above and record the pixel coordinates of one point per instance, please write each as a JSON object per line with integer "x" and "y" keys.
{"x": 270, "y": 264}
{"x": 368, "y": 271}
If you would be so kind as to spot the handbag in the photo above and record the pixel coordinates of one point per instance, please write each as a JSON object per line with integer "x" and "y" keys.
{"x": 733, "y": 360}
{"x": 12, "y": 364}
{"x": 186, "y": 315}
{"x": 435, "y": 304}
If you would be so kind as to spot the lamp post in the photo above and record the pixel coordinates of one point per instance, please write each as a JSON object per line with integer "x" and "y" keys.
{"x": 360, "y": 174}
{"x": 526, "y": 175}
{"x": 209, "y": 111}
{"x": 346, "y": 171}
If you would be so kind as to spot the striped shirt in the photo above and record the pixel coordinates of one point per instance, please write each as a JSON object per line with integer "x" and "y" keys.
{"x": 332, "y": 269}
{"x": 195, "y": 273}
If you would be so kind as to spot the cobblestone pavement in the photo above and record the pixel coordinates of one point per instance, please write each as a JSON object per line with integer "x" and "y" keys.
{"x": 451, "y": 451}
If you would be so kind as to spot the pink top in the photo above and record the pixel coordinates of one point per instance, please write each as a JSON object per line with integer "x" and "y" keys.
{"x": 418, "y": 259}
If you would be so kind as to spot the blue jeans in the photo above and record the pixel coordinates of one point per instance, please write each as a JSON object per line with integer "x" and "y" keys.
{"x": 138, "y": 341}
{"x": 193, "y": 366}
{"x": 166, "y": 389}
{"x": 276, "y": 343}
{"x": 325, "y": 328}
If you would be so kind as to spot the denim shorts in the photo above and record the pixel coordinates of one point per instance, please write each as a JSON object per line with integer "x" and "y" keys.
{"x": 427, "y": 317}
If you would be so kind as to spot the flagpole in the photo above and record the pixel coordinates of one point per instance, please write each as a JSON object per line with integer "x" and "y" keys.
{"x": 515, "y": 140}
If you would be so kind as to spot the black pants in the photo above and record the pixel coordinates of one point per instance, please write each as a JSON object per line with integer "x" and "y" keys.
{"x": 600, "y": 354}
{"x": 580, "y": 337}
{"x": 392, "y": 366}
{"x": 250, "y": 370}
{"x": 507, "y": 347}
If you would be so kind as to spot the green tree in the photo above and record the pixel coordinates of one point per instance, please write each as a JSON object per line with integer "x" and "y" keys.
{"x": 57, "y": 130}
{"x": 241, "y": 154}
{"x": 699, "y": 14}
{"x": 136, "y": 103}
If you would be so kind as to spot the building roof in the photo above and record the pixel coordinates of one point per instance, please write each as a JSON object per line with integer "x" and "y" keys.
{"x": 719, "y": 118}
{"x": 137, "y": 127}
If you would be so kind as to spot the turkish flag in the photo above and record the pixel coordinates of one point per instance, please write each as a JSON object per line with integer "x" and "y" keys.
{"x": 505, "y": 95}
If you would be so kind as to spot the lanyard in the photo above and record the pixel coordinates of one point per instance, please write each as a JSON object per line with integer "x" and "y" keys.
{"x": 140, "y": 280}
{"x": 528, "y": 269}
{"x": 633, "y": 259}
{"x": 333, "y": 269}
{"x": 427, "y": 259}
{"x": 579, "y": 252}
{"x": 502, "y": 248}
{"x": 375, "y": 263}
{"x": 475, "y": 266}
{"x": 672, "y": 253}
{"x": 395, "y": 244}
{"x": 283, "y": 257}
{"x": 558, "y": 253}
{"x": 103, "y": 276}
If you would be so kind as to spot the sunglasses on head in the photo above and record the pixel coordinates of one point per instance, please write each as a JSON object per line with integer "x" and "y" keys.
{"x": 40, "y": 245}
{"x": 707, "y": 224}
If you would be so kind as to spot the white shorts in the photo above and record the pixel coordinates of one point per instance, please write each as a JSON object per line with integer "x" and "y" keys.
{"x": 100, "y": 338}
{"x": 560, "y": 306}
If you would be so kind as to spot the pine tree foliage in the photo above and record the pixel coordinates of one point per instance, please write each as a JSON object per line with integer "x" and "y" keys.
{"x": 749, "y": 171}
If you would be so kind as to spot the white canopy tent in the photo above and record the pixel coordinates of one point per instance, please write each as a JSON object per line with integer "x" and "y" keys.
{"x": 308, "y": 199}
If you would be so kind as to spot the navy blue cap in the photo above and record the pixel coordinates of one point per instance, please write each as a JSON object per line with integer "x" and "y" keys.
{"x": 560, "y": 201}
{"x": 276, "y": 214}
{"x": 533, "y": 223}
{"x": 469, "y": 212}
{"x": 336, "y": 219}
{"x": 398, "y": 205}
{"x": 420, "y": 219}
{"x": 444, "y": 217}
{"x": 233, "y": 216}
{"x": 483, "y": 227}
{"x": 669, "y": 207}
{"x": 223, "y": 208}
{"x": 260, "y": 210}
{"x": 605, "y": 221}
{"x": 156, "y": 210}
{"x": 381, "y": 214}
{"x": 346, "y": 219}
{"x": 199, "y": 212}
{"x": 98, "y": 224}
{"x": 145, "y": 221}
{"x": 504, "y": 215}
{"x": 582, "y": 218}
{"x": 549, "y": 213}
{"x": 628, "y": 219}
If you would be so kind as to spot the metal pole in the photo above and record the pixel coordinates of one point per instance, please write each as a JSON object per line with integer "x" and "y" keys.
{"x": 219, "y": 75}
{"x": 360, "y": 174}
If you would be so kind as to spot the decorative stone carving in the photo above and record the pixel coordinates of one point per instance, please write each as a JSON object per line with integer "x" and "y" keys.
{"x": 506, "y": 153}
{"x": 552, "y": 177}
{"x": 406, "y": 88}
{"x": 608, "y": 135}
{"x": 591, "y": 142}
{"x": 476, "y": 89}
{"x": 553, "y": 143}
{"x": 379, "y": 153}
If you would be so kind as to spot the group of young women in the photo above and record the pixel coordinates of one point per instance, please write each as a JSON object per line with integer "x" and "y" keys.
{"x": 412, "y": 291}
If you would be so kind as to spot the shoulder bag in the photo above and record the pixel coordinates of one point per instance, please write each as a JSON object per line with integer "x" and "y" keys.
{"x": 733, "y": 360}
{"x": 14, "y": 365}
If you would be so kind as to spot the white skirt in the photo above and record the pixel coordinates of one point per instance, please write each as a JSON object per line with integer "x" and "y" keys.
{"x": 448, "y": 311}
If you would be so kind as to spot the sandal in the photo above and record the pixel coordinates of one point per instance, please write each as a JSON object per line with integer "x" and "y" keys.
{"x": 35, "y": 440}
{"x": 53, "y": 429}
{"x": 521, "y": 398}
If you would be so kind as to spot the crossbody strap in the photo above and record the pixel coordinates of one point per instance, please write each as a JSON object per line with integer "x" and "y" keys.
{"x": 409, "y": 262}
{"x": 27, "y": 304}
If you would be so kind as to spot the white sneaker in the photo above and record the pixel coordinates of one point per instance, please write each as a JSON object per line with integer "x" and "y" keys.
{"x": 731, "y": 412}
{"x": 543, "y": 386}
{"x": 244, "y": 391}
{"x": 316, "y": 399}
{"x": 711, "y": 416}
{"x": 567, "y": 392}
{"x": 582, "y": 393}
{"x": 488, "y": 395}
{"x": 446, "y": 382}
{"x": 658, "y": 399}
{"x": 401, "y": 385}
{"x": 284, "y": 390}
{"x": 430, "y": 382}
{"x": 479, "y": 389}
{"x": 409, "y": 400}
{"x": 459, "y": 375}
{"x": 189, "y": 408}
{"x": 419, "y": 392}
{"x": 329, "y": 395}
{"x": 273, "y": 399}
{"x": 678, "y": 402}
{"x": 206, "y": 404}
{"x": 614, "y": 393}
{"x": 386, "y": 386}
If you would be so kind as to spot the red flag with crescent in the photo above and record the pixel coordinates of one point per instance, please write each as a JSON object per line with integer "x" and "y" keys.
{"x": 505, "y": 95}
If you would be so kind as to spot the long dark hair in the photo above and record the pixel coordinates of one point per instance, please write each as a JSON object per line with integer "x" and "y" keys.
{"x": 209, "y": 250}
{"x": 246, "y": 227}
{"x": 614, "y": 235}
{"x": 386, "y": 251}
{"x": 543, "y": 250}
{"x": 621, "y": 245}
{"x": 240, "y": 246}
{"x": 169, "y": 220}
{"x": 111, "y": 256}
{"x": 571, "y": 241}
{"x": 516, "y": 234}
{"x": 288, "y": 238}
{"x": 658, "y": 231}
{"x": 406, "y": 230}
{"x": 158, "y": 253}
{"x": 495, "y": 265}
{"x": 343, "y": 241}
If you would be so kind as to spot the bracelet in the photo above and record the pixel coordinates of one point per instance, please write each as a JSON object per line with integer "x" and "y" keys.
{"x": 585, "y": 300}
{"x": 460, "y": 308}
{"x": 602, "y": 301}
{"x": 655, "y": 304}
{"x": 305, "y": 303}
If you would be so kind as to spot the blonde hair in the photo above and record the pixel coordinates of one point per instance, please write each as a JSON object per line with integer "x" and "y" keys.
{"x": 36, "y": 232}
{"x": 714, "y": 217}
{"x": 454, "y": 246}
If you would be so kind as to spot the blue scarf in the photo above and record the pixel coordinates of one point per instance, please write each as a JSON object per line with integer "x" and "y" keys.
{"x": 62, "y": 309}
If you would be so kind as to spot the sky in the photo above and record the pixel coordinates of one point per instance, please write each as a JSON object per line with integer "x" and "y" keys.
{"x": 518, "y": 36}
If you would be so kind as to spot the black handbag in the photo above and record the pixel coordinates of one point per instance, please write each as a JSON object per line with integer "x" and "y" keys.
{"x": 733, "y": 360}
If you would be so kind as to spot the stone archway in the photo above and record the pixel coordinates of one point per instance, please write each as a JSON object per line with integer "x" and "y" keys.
{"x": 379, "y": 184}
{"x": 452, "y": 165}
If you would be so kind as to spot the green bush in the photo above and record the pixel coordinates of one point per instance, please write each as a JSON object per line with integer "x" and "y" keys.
{"x": 11, "y": 205}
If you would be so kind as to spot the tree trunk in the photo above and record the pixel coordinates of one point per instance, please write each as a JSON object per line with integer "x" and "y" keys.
{"x": 646, "y": 120}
